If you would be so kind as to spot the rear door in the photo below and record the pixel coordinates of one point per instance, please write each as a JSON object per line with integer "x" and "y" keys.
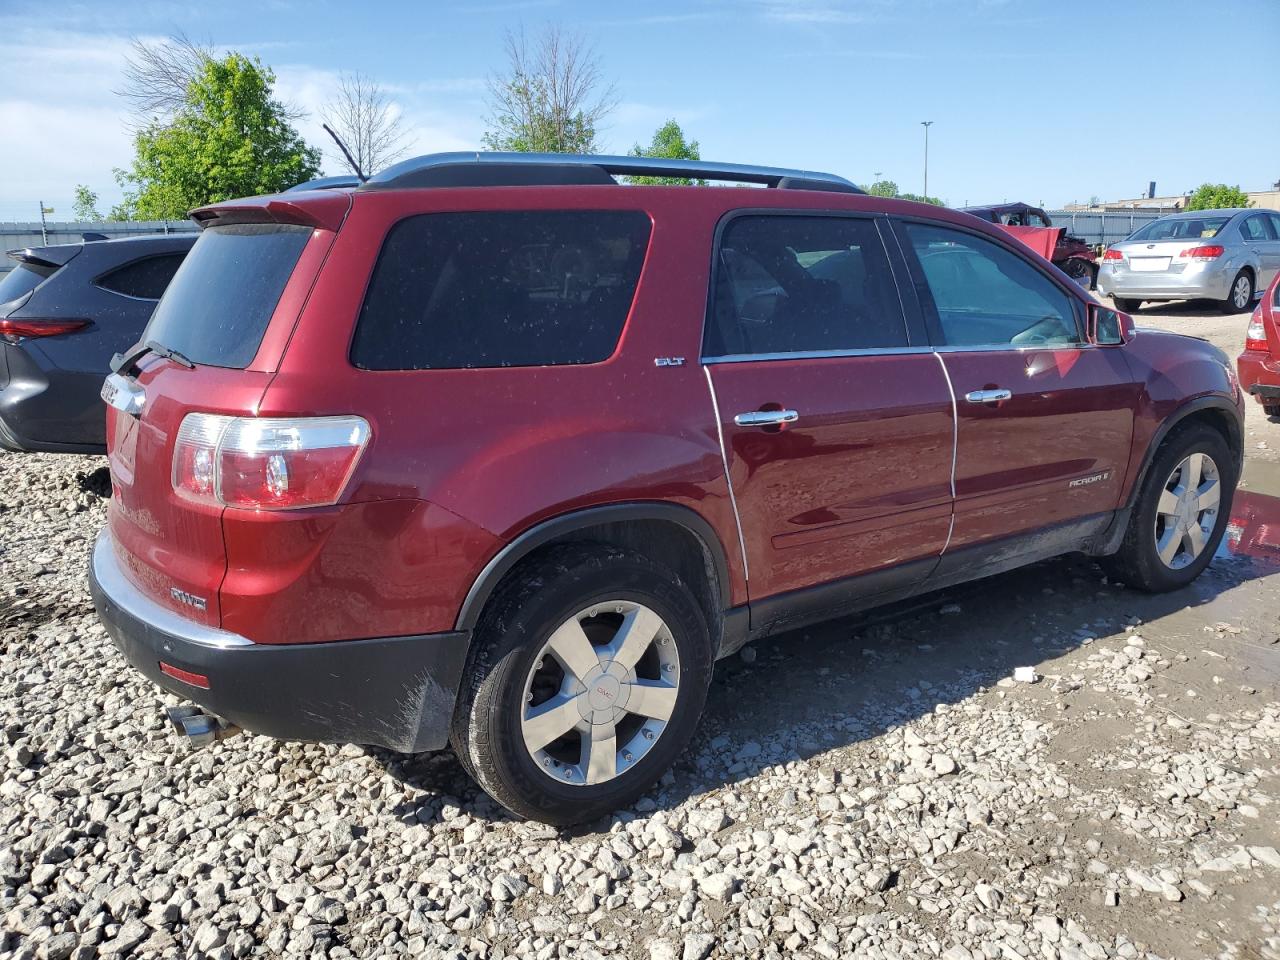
{"x": 216, "y": 312}
{"x": 837, "y": 420}
{"x": 1259, "y": 235}
{"x": 1044, "y": 418}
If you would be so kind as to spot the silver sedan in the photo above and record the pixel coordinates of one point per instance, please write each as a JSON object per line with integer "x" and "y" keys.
{"x": 1225, "y": 255}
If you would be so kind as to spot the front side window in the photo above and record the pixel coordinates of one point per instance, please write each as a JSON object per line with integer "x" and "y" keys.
{"x": 797, "y": 284}
{"x": 501, "y": 289}
{"x": 985, "y": 295}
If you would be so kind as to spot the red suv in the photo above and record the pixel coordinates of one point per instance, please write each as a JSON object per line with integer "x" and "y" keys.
{"x": 1259, "y": 364}
{"x": 496, "y": 451}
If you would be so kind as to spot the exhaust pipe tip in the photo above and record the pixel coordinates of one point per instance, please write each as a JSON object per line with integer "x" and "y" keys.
{"x": 200, "y": 728}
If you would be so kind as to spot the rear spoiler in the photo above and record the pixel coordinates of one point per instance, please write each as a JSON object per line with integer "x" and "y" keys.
{"x": 50, "y": 257}
{"x": 323, "y": 210}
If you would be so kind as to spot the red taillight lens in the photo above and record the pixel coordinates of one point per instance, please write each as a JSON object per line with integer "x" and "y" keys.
{"x": 266, "y": 464}
{"x": 1210, "y": 252}
{"x": 15, "y": 330}
{"x": 1255, "y": 338}
{"x": 1113, "y": 255}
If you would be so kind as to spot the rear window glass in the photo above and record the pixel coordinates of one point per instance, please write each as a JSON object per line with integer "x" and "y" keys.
{"x": 501, "y": 289}
{"x": 22, "y": 279}
{"x": 1182, "y": 228}
{"x": 144, "y": 279}
{"x": 217, "y": 307}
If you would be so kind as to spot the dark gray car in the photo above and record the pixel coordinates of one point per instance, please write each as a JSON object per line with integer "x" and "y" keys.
{"x": 64, "y": 311}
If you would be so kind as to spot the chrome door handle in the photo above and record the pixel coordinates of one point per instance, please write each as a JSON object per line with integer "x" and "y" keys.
{"x": 988, "y": 396}
{"x": 766, "y": 418}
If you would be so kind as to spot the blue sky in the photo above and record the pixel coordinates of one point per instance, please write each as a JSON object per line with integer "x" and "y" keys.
{"x": 1036, "y": 100}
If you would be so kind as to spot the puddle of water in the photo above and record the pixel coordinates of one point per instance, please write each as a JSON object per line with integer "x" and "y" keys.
{"x": 1253, "y": 531}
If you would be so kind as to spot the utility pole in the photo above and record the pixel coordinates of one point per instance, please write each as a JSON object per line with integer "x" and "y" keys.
{"x": 44, "y": 230}
{"x": 926, "y": 124}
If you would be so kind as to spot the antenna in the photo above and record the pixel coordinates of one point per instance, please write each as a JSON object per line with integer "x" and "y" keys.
{"x": 345, "y": 152}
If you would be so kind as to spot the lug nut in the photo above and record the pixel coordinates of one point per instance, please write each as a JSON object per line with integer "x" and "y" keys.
{"x": 626, "y": 757}
{"x": 648, "y": 734}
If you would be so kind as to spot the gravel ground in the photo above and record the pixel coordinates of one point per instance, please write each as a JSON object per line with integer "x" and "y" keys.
{"x": 875, "y": 788}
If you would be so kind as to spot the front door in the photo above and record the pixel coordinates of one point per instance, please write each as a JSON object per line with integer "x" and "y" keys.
{"x": 838, "y": 424}
{"x": 1044, "y": 419}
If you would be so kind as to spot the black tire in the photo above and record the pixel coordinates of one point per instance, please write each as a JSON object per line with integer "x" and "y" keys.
{"x": 1125, "y": 305}
{"x": 1271, "y": 409}
{"x": 1137, "y": 563}
{"x": 1081, "y": 271}
{"x": 551, "y": 588}
{"x": 1230, "y": 305}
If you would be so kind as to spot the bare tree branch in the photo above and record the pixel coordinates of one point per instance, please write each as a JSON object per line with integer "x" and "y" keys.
{"x": 368, "y": 122}
{"x": 158, "y": 73}
{"x": 552, "y": 98}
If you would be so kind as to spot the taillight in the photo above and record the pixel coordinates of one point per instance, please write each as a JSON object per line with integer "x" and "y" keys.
{"x": 15, "y": 330}
{"x": 1210, "y": 252}
{"x": 266, "y": 464}
{"x": 1255, "y": 338}
{"x": 1113, "y": 255}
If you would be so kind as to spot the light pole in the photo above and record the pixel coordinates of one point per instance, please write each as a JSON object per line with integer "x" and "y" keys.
{"x": 926, "y": 124}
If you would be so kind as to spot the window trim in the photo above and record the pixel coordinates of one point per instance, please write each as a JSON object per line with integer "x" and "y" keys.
{"x": 97, "y": 280}
{"x": 930, "y": 310}
{"x": 386, "y": 238}
{"x": 913, "y": 321}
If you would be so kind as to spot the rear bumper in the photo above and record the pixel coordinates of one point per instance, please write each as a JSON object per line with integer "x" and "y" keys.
{"x": 1211, "y": 284}
{"x": 397, "y": 692}
{"x": 1260, "y": 376}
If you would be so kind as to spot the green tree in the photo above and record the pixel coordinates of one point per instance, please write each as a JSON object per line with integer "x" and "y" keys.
{"x": 85, "y": 205}
{"x": 232, "y": 138}
{"x": 668, "y": 143}
{"x": 551, "y": 99}
{"x": 883, "y": 188}
{"x": 1215, "y": 196}
{"x": 918, "y": 198}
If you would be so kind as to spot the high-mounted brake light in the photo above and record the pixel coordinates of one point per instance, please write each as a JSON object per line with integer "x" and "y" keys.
{"x": 1210, "y": 252}
{"x": 1255, "y": 338}
{"x": 15, "y": 330}
{"x": 1113, "y": 255}
{"x": 269, "y": 463}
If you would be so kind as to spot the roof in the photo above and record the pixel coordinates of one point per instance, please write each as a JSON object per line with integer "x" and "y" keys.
{"x": 1220, "y": 212}
{"x": 476, "y": 169}
{"x": 1002, "y": 208}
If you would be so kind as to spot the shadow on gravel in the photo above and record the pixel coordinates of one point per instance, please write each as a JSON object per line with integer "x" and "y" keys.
{"x": 816, "y": 690}
{"x": 97, "y": 482}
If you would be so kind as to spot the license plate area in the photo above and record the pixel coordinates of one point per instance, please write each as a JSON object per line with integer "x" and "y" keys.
{"x": 1149, "y": 264}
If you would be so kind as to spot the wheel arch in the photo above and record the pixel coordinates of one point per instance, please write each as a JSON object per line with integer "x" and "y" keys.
{"x": 1216, "y": 411}
{"x": 663, "y": 531}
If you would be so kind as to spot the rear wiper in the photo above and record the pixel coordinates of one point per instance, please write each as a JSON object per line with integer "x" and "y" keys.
{"x": 124, "y": 363}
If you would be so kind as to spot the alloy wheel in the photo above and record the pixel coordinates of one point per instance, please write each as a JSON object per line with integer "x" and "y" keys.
{"x": 1187, "y": 510}
{"x": 1241, "y": 292}
{"x": 600, "y": 692}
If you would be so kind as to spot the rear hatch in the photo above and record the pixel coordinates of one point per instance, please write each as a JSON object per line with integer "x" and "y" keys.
{"x": 31, "y": 267}
{"x": 226, "y": 317}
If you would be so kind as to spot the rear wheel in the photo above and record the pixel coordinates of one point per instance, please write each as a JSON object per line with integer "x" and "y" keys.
{"x": 1180, "y": 514}
{"x": 588, "y": 674}
{"x": 1240, "y": 295}
{"x": 1271, "y": 409}
{"x": 1125, "y": 305}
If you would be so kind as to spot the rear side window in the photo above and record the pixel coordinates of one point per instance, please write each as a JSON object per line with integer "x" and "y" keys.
{"x": 802, "y": 284}
{"x": 984, "y": 295}
{"x": 1256, "y": 227}
{"x": 501, "y": 289}
{"x": 144, "y": 279}
{"x": 22, "y": 279}
{"x": 219, "y": 303}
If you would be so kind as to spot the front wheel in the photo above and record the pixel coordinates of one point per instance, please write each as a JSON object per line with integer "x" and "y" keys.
{"x": 1241, "y": 293}
{"x": 1125, "y": 305}
{"x": 1271, "y": 409}
{"x": 1180, "y": 514}
{"x": 1081, "y": 271}
{"x": 588, "y": 674}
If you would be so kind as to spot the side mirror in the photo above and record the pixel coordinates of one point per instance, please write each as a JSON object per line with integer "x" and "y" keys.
{"x": 1109, "y": 328}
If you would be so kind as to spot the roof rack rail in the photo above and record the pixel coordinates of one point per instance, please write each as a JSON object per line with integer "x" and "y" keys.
{"x": 326, "y": 183}
{"x": 476, "y": 169}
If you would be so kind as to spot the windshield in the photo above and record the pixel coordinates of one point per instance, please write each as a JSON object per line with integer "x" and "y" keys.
{"x": 222, "y": 297}
{"x": 22, "y": 279}
{"x": 1181, "y": 228}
